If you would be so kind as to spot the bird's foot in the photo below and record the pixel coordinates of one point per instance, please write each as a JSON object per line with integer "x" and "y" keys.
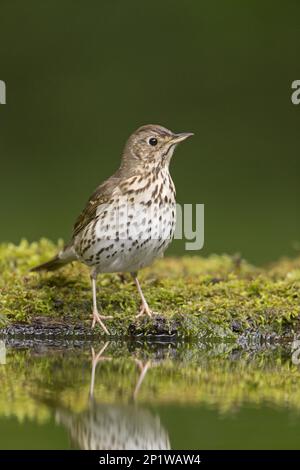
{"x": 145, "y": 310}
{"x": 95, "y": 359}
{"x": 99, "y": 357}
{"x": 97, "y": 318}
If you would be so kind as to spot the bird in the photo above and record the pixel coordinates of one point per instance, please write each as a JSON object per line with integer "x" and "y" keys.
{"x": 113, "y": 427}
{"x": 105, "y": 426}
{"x": 129, "y": 220}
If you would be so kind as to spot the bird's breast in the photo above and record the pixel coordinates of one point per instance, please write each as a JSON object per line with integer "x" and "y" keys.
{"x": 133, "y": 228}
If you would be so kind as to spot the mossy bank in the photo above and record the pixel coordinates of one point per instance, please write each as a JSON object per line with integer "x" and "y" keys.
{"x": 220, "y": 297}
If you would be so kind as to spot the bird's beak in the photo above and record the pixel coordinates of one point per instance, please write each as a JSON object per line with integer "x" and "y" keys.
{"x": 180, "y": 137}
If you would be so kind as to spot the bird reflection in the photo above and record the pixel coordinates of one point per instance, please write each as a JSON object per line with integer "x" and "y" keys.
{"x": 115, "y": 427}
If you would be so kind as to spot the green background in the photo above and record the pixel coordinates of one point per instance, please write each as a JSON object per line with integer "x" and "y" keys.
{"x": 81, "y": 76}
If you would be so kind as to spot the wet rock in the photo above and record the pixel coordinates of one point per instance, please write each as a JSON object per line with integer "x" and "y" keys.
{"x": 236, "y": 326}
{"x": 157, "y": 326}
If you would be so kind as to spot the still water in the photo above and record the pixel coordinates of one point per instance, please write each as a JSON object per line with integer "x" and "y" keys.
{"x": 72, "y": 394}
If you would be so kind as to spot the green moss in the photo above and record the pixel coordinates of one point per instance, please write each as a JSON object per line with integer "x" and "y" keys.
{"x": 218, "y": 296}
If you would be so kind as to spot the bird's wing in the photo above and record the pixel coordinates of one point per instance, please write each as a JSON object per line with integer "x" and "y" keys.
{"x": 100, "y": 196}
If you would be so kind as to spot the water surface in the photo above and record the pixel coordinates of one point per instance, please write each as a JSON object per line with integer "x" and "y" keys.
{"x": 66, "y": 394}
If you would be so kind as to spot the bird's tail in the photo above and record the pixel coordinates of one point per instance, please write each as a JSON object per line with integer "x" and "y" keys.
{"x": 65, "y": 256}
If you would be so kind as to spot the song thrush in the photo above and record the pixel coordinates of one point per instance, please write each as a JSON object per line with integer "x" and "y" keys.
{"x": 130, "y": 219}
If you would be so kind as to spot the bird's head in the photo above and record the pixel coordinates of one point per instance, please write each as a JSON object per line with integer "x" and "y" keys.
{"x": 152, "y": 146}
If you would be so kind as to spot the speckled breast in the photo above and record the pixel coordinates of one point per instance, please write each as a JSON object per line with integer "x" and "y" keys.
{"x": 132, "y": 229}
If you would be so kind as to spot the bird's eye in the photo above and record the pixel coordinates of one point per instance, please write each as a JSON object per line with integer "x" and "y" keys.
{"x": 152, "y": 141}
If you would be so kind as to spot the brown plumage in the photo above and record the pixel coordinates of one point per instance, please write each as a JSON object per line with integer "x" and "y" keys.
{"x": 142, "y": 187}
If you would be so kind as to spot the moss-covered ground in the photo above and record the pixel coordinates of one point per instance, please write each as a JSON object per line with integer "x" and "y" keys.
{"x": 219, "y": 296}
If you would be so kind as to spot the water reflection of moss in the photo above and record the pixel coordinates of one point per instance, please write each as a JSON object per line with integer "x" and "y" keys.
{"x": 219, "y": 295}
{"x": 33, "y": 384}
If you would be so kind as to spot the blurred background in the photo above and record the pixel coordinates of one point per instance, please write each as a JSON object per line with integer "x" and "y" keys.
{"x": 81, "y": 76}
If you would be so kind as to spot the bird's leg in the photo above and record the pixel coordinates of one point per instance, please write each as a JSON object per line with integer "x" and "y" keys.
{"x": 145, "y": 310}
{"x": 97, "y": 318}
{"x": 143, "y": 368}
{"x": 95, "y": 359}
